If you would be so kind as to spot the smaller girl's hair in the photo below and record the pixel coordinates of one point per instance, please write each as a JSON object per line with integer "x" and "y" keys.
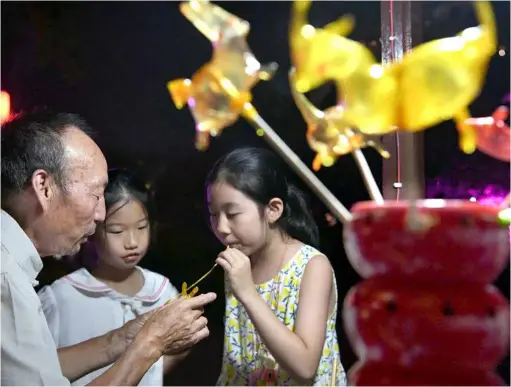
{"x": 124, "y": 186}
{"x": 261, "y": 176}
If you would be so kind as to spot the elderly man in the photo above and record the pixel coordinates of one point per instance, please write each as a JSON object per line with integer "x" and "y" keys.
{"x": 53, "y": 177}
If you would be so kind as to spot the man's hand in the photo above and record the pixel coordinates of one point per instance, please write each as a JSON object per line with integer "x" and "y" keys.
{"x": 178, "y": 325}
{"x": 170, "y": 330}
{"x": 121, "y": 338}
{"x": 130, "y": 330}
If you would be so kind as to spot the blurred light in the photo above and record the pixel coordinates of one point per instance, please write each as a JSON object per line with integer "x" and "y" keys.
{"x": 473, "y": 199}
{"x": 504, "y": 217}
{"x": 502, "y": 52}
{"x": 5, "y": 106}
{"x": 330, "y": 219}
{"x": 397, "y": 185}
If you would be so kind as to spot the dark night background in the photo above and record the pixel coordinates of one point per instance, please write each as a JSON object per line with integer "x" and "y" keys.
{"x": 110, "y": 61}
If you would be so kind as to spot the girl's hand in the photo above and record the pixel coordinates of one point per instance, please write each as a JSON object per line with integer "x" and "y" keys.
{"x": 237, "y": 268}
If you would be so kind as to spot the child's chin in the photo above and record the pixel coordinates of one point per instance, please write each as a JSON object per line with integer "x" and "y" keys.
{"x": 129, "y": 264}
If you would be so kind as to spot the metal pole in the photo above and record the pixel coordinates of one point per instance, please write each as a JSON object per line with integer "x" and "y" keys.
{"x": 403, "y": 173}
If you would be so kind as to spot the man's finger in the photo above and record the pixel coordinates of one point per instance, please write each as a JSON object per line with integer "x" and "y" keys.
{"x": 201, "y": 335}
{"x": 172, "y": 303}
{"x": 199, "y": 301}
{"x": 200, "y": 323}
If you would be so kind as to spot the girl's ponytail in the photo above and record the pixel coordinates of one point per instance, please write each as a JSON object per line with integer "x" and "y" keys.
{"x": 297, "y": 220}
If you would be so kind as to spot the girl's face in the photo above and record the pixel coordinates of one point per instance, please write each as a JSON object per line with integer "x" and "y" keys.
{"x": 236, "y": 220}
{"x": 123, "y": 239}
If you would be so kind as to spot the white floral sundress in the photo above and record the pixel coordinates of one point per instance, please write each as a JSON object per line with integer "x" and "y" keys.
{"x": 242, "y": 354}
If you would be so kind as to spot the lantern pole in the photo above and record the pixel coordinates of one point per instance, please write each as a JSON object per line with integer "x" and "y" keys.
{"x": 403, "y": 173}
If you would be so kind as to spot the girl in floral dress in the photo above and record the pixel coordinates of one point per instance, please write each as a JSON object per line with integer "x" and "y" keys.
{"x": 281, "y": 298}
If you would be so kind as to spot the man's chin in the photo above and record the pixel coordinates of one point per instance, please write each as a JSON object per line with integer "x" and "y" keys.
{"x": 75, "y": 250}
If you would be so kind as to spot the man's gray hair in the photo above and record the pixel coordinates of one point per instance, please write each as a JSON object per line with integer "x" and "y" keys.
{"x": 33, "y": 141}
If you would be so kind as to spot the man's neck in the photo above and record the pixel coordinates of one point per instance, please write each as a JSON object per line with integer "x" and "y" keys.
{"x": 22, "y": 220}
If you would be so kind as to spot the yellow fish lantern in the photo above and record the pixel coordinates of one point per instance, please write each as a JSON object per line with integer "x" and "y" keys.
{"x": 216, "y": 94}
{"x": 328, "y": 133}
{"x": 438, "y": 80}
{"x": 322, "y": 54}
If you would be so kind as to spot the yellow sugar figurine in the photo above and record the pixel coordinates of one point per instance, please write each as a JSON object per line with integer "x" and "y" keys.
{"x": 217, "y": 93}
{"x": 189, "y": 292}
{"x": 458, "y": 65}
{"x": 330, "y": 136}
{"x": 328, "y": 133}
{"x": 322, "y": 54}
{"x": 436, "y": 81}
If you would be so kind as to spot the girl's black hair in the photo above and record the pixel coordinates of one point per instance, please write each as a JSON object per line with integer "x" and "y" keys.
{"x": 262, "y": 176}
{"x": 123, "y": 186}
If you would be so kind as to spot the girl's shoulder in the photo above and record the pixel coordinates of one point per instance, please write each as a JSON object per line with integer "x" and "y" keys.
{"x": 62, "y": 288}
{"x": 77, "y": 278}
{"x": 156, "y": 286}
{"x": 302, "y": 260}
{"x": 305, "y": 253}
{"x": 310, "y": 251}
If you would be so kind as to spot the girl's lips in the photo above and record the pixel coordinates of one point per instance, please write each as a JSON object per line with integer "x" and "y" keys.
{"x": 131, "y": 257}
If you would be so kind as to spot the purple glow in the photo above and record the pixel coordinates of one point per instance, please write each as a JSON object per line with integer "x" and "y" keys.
{"x": 490, "y": 194}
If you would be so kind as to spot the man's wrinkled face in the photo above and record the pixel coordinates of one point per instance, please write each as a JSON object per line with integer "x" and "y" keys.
{"x": 73, "y": 211}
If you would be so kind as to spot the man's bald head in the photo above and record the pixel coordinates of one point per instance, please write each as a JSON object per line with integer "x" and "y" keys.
{"x": 80, "y": 154}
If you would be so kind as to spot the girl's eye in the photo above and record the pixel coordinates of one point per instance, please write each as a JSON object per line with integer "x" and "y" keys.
{"x": 114, "y": 232}
{"x": 143, "y": 227}
{"x": 230, "y": 216}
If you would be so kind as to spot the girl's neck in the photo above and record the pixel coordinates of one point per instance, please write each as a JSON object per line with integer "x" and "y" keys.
{"x": 128, "y": 282}
{"x": 267, "y": 262}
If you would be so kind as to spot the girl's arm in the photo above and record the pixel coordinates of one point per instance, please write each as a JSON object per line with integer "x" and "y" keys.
{"x": 171, "y": 361}
{"x": 297, "y": 352}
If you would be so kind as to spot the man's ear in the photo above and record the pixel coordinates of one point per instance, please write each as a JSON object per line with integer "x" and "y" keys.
{"x": 44, "y": 187}
{"x": 274, "y": 210}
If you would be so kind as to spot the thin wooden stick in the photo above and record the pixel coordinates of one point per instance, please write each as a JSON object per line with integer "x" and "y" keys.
{"x": 367, "y": 176}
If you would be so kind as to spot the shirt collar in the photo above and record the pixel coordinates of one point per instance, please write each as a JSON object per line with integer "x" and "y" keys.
{"x": 154, "y": 285}
{"x": 21, "y": 248}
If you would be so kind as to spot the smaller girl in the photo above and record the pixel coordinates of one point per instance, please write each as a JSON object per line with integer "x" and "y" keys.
{"x": 93, "y": 301}
{"x": 281, "y": 297}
